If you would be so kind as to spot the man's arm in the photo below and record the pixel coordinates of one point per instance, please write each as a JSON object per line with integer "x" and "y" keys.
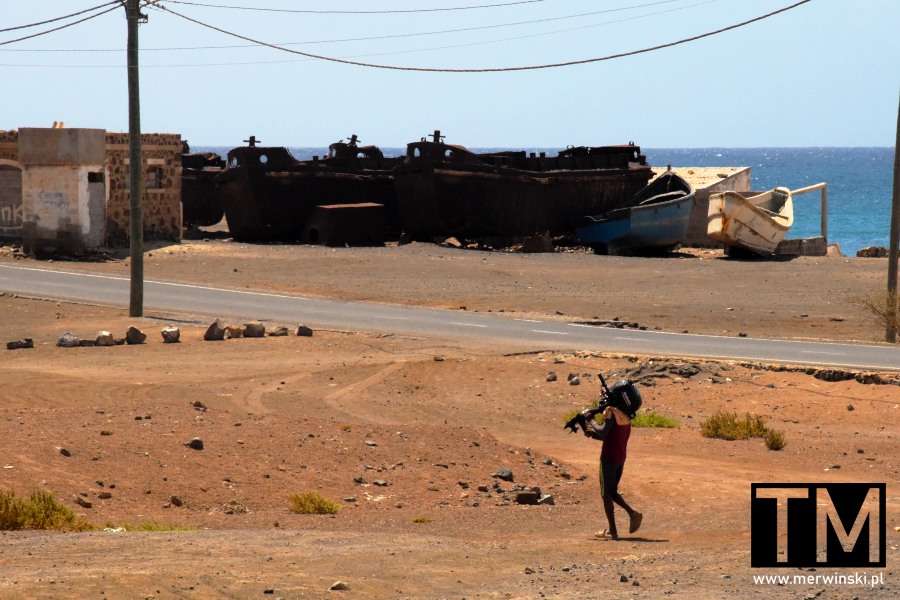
{"x": 596, "y": 431}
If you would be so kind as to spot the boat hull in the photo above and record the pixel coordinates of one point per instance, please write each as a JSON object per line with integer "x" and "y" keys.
{"x": 445, "y": 190}
{"x": 755, "y": 223}
{"x": 471, "y": 203}
{"x": 272, "y": 199}
{"x": 657, "y": 220}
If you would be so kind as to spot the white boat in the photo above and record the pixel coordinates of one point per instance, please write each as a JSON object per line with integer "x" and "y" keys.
{"x": 753, "y": 222}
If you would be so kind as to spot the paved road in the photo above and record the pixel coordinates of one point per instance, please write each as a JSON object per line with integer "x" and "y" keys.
{"x": 362, "y": 316}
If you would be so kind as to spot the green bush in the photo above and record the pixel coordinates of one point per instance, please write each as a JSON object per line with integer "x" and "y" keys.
{"x": 41, "y": 511}
{"x": 727, "y": 426}
{"x": 651, "y": 419}
{"x": 311, "y": 503}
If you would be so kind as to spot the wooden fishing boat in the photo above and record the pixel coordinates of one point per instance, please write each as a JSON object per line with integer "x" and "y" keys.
{"x": 445, "y": 189}
{"x": 655, "y": 220}
{"x": 750, "y": 221}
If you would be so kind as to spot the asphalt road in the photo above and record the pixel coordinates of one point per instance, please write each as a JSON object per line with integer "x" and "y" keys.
{"x": 523, "y": 334}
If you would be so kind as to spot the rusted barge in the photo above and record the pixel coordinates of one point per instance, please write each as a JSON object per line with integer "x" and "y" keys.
{"x": 445, "y": 189}
{"x": 268, "y": 195}
{"x": 200, "y": 203}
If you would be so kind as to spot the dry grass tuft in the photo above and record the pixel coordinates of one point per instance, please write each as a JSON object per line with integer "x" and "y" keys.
{"x": 311, "y": 503}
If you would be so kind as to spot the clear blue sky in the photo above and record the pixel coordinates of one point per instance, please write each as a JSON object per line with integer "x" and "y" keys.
{"x": 824, "y": 74}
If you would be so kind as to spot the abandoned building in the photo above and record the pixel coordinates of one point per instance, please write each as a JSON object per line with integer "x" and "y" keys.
{"x": 68, "y": 189}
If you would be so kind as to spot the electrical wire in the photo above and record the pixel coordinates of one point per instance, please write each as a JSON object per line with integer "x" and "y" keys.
{"x": 385, "y": 37}
{"x": 488, "y": 70}
{"x": 354, "y": 12}
{"x": 45, "y": 32}
{"x": 59, "y": 18}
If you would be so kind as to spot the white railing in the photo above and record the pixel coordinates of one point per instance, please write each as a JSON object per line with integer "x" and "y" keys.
{"x": 823, "y": 187}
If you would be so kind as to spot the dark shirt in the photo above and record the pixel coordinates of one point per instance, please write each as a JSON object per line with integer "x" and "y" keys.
{"x": 615, "y": 442}
{"x": 615, "y": 439}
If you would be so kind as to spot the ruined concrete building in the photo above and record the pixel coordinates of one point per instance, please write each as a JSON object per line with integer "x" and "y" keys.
{"x": 68, "y": 189}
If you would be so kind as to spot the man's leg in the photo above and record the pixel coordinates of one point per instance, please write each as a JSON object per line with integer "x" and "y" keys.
{"x": 609, "y": 481}
{"x": 634, "y": 516}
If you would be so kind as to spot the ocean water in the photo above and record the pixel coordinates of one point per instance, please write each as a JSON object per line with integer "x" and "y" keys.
{"x": 859, "y": 182}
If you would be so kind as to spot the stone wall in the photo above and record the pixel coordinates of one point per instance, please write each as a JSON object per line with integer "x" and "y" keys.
{"x": 162, "y": 187}
{"x": 162, "y": 183}
{"x": 10, "y": 185}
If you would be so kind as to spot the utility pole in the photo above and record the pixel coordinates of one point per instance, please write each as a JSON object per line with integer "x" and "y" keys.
{"x": 136, "y": 168}
{"x": 890, "y": 334}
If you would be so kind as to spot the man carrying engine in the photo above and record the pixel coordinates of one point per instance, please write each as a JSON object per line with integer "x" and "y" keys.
{"x": 619, "y": 406}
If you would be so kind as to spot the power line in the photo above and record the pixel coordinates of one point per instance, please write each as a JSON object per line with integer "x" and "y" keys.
{"x": 488, "y": 70}
{"x": 269, "y": 62}
{"x": 355, "y": 12}
{"x": 394, "y": 36}
{"x": 45, "y": 32}
{"x": 87, "y": 10}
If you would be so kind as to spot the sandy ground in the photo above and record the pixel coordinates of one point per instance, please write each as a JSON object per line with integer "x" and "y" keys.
{"x": 432, "y": 420}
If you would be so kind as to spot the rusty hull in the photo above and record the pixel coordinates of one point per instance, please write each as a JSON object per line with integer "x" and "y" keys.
{"x": 445, "y": 189}
{"x": 268, "y": 195}
{"x": 200, "y": 204}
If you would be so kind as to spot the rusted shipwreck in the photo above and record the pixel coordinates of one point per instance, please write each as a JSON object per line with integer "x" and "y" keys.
{"x": 357, "y": 196}
{"x": 268, "y": 195}
{"x": 445, "y": 189}
{"x": 200, "y": 202}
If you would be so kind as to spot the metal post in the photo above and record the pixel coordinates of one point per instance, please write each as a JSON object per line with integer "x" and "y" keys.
{"x": 136, "y": 216}
{"x": 890, "y": 334}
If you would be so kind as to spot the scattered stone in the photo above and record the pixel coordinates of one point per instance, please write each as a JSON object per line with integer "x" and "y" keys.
{"x": 254, "y": 329}
{"x": 171, "y": 335}
{"x": 20, "y": 344}
{"x": 104, "y": 495}
{"x": 339, "y": 586}
{"x": 529, "y": 497}
{"x": 67, "y": 340}
{"x": 451, "y": 242}
{"x": 504, "y": 474}
{"x": 529, "y": 571}
{"x": 547, "y": 499}
{"x": 135, "y": 336}
{"x": 303, "y": 331}
{"x": 483, "y": 488}
{"x": 575, "y": 380}
{"x": 233, "y": 331}
{"x": 199, "y": 406}
{"x": 850, "y": 407}
{"x": 380, "y": 483}
{"x": 872, "y": 252}
{"x": 65, "y": 452}
{"x": 538, "y": 243}
{"x": 438, "y": 358}
{"x": 350, "y": 499}
{"x": 83, "y": 502}
{"x": 215, "y": 332}
{"x": 742, "y": 334}
{"x": 623, "y": 578}
{"x": 371, "y": 443}
{"x": 196, "y": 444}
{"x": 105, "y": 338}
{"x": 551, "y": 376}
{"x": 176, "y": 501}
{"x": 358, "y": 480}
{"x": 87, "y": 343}
{"x": 279, "y": 331}
{"x": 834, "y": 250}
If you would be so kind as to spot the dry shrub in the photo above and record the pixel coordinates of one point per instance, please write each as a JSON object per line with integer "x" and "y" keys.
{"x": 727, "y": 426}
{"x": 775, "y": 440}
{"x": 311, "y": 503}
{"x": 884, "y": 307}
{"x": 41, "y": 511}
